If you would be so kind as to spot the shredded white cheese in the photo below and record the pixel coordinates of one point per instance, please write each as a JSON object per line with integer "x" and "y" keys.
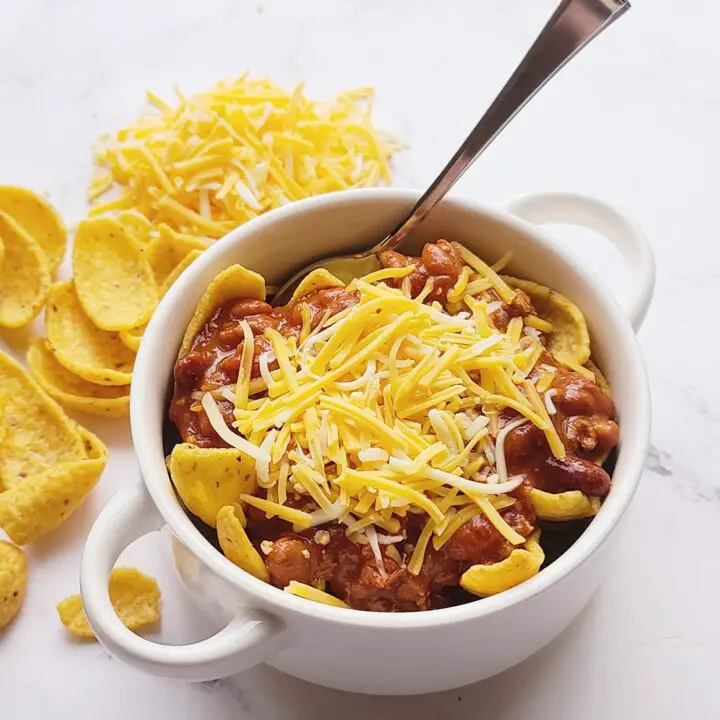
{"x": 500, "y": 462}
{"x": 372, "y": 538}
{"x": 220, "y": 426}
{"x": 549, "y": 404}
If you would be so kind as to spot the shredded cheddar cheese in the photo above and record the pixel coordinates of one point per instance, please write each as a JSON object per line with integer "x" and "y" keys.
{"x": 207, "y": 163}
{"x": 391, "y": 407}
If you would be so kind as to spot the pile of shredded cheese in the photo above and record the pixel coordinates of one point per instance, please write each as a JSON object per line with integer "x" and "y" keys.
{"x": 225, "y": 156}
{"x": 391, "y": 407}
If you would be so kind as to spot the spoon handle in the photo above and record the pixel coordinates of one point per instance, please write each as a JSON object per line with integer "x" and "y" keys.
{"x": 572, "y": 26}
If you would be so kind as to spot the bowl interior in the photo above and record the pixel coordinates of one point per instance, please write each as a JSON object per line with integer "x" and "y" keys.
{"x": 276, "y": 244}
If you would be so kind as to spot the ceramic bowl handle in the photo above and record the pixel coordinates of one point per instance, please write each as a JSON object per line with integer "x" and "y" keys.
{"x": 620, "y": 230}
{"x": 250, "y": 638}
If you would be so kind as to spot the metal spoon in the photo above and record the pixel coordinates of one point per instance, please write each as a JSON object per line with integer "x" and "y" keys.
{"x": 572, "y": 26}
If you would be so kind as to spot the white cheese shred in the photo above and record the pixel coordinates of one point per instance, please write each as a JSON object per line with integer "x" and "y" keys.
{"x": 220, "y": 427}
{"x": 373, "y": 455}
{"x": 372, "y": 537}
{"x": 549, "y": 404}
{"x": 500, "y": 462}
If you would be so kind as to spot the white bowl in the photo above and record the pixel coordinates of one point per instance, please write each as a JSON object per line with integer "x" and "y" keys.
{"x": 383, "y": 653}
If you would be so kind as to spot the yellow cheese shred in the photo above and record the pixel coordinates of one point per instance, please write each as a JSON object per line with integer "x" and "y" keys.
{"x": 228, "y": 154}
{"x": 365, "y": 419}
{"x": 273, "y": 509}
{"x": 311, "y": 480}
{"x": 280, "y": 348}
{"x": 498, "y": 522}
{"x": 310, "y": 593}
{"x": 585, "y": 372}
{"x": 506, "y": 293}
{"x": 534, "y": 321}
{"x": 388, "y": 274}
{"x": 377, "y": 481}
{"x": 556, "y": 444}
{"x": 243, "y": 384}
{"x": 418, "y": 556}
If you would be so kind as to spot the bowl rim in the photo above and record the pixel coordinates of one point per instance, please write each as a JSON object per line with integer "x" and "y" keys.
{"x": 274, "y": 600}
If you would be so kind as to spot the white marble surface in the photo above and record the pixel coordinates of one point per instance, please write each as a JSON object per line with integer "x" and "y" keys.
{"x": 634, "y": 120}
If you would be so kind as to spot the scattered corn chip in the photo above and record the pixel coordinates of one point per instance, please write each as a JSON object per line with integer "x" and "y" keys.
{"x": 24, "y": 275}
{"x": 113, "y": 279}
{"x": 35, "y": 507}
{"x": 70, "y": 389}
{"x": 560, "y": 507}
{"x": 131, "y": 338}
{"x": 95, "y": 448}
{"x": 168, "y": 250}
{"x": 13, "y": 581}
{"x": 316, "y": 280}
{"x": 79, "y": 345}
{"x": 38, "y": 218}
{"x": 180, "y": 268}
{"x": 36, "y": 432}
{"x": 134, "y": 595}
{"x": 136, "y": 224}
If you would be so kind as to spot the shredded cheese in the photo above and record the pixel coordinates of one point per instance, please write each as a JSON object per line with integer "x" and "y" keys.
{"x": 220, "y": 426}
{"x": 242, "y": 389}
{"x": 373, "y": 455}
{"x": 566, "y": 360}
{"x": 209, "y": 162}
{"x": 372, "y": 537}
{"x": 416, "y": 561}
{"x": 391, "y": 407}
{"x": 537, "y": 323}
{"x": 506, "y": 293}
{"x": 308, "y": 592}
{"x": 377, "y": 481}
{"x": 297, "y": 517}
{"x": 556, "y": 444}
{"x": 549, "y": 404}
{"x": 499, "y": 522}
{"x": 469, "y": 487}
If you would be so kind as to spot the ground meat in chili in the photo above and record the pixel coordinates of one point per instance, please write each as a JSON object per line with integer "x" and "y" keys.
{"x": 585, "y": 421}
{"x": 519, "y": 306}
{"x": 214, "y": 358}
{"x": 352, "y": 573}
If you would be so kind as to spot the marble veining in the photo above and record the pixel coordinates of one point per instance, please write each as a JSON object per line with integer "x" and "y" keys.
{"x": 633, "y": 121}
{"x": 659, "y": 462}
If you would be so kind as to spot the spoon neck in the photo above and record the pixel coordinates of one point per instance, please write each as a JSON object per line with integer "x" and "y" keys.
{"x": 572, "y": 26}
